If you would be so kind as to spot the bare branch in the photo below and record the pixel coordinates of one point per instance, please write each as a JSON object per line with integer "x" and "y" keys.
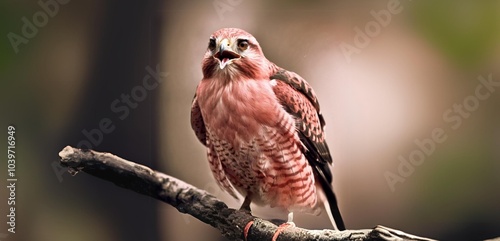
{"x": 200, "y": 204}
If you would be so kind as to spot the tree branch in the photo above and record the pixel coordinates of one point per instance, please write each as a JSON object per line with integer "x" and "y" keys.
{"x": 200, "y": 204}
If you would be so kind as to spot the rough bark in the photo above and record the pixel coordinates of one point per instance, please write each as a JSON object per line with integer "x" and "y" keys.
{"x": 200, "y": 204}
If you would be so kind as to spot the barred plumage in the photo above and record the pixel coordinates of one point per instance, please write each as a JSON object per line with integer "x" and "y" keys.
{"x": 262, "y": 127}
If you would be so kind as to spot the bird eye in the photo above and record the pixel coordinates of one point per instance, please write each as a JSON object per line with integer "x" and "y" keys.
{"x": 211, "y": 44}
{"x": 243, "y": 44}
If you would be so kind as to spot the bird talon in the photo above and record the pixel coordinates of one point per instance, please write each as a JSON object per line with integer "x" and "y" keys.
{"x": 247, "y": 229}
{"x": 281, "y": 228}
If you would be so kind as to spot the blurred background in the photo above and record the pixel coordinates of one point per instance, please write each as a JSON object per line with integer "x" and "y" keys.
{"x": 387, "y": 73}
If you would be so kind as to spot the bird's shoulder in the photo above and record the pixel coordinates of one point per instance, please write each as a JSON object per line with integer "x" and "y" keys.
{"x": 197, "y": 123}
{"x": 299, "y": 99}
{"x": 285, "y": 78}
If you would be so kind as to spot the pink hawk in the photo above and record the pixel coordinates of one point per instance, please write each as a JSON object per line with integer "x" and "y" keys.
{"x": 263, "y": 129}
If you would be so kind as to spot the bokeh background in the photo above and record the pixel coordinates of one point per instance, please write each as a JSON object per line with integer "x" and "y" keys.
{"x": 64, "y": 78}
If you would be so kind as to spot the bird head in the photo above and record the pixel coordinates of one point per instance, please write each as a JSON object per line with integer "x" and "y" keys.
{"x": 232, "y": 52}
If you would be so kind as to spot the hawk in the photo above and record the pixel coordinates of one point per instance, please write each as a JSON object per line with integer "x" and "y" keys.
{"x": 263, "y": 129}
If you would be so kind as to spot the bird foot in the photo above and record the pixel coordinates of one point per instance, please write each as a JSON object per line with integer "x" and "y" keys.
{"x": 281, "y": 228}
{"x": 247, "y": 229}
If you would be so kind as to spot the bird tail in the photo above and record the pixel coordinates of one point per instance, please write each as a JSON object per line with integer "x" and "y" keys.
{"x": 330, "y": 202}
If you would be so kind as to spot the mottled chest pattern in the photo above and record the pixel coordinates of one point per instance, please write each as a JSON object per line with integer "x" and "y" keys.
{"x": 262, "y": 127}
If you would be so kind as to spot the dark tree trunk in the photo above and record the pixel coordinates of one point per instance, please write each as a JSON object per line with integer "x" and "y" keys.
{"x": 129, "y": 42}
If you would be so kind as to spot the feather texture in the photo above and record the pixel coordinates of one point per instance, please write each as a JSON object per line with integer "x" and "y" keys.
{"x": 262, "y": 126}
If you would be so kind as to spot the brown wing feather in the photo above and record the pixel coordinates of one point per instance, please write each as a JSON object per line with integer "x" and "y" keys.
{"x": 197, "y": 122}
{"x": 298, "y": 98}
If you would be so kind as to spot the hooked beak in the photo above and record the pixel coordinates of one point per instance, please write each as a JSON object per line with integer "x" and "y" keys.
{"x": 225, "y": 55}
